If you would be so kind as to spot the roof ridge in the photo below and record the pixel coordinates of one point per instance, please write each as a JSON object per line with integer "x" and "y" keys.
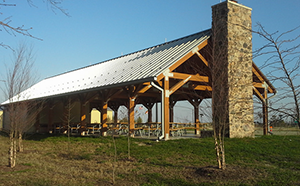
{"x": 129, "y": 54}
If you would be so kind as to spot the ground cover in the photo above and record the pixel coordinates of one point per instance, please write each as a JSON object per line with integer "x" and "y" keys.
{"x": 57, "y": 160}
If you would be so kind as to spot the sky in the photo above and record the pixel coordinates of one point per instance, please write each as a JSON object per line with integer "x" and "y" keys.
{"x": 98, "y": 30}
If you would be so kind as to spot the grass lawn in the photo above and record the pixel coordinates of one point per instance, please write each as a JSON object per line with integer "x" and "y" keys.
{"x": 55, "y": 160}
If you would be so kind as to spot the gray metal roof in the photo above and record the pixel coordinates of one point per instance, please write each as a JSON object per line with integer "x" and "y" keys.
{"x": 143, "y": 65}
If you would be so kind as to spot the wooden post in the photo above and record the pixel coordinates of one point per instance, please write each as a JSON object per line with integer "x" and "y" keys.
{"x": 115, "y": 116}
{"x": 171, "y": 114}
{"x": 104, "y": 115}
{"x": 114, "y": 105}
{"x": 50, "y": 119}
{"x": 196, "y": 102}
{"x": 196, "y": 116}
{"x": 265, "y": 111}
{"x": 65, "y": 116}
{"x": 82, "y": 117}
{"x": 156, "y": 115}
{"x": 172, "y": 102}
{"x": 149, "y": 115}
{"x": 265, "y": 118}
{"x": 37, "y": 123}
{"x": 104, "y": 118}
{"x": 149, "y": 103}
{"x": 166, "y": 108}
{"x": 131, "y": 115}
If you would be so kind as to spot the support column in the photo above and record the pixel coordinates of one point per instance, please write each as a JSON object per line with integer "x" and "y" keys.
{"x": 166, "y": 108}
{"x": 114, "y": 105}
{"x": 172, "y": 104}
{"x": 265, "y": 110}
{"x": 196, "y": 118}
{"x": 82, "y": 117}
{"x": 265, "y": 118}
{"x": 104, "y": 118}
{"x": 196, "y": 102}
{"x": 37, "y": 123}
{"x": 115, "y": 116}
{"x": 50, "y": 119}
{"x": 104, "y": 115}
{"x": 149, "y": 103}
{"x": 149, "y": 115}
{"x": 156, "y": 115}
{"x": 131, "y": 116}
{"x": 66, "y": 114}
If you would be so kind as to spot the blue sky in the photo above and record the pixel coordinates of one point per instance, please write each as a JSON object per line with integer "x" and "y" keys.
{"x": 99, "y": 30}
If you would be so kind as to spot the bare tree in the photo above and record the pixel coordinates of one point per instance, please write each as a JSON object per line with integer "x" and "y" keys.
{"x": 67, "y": 118}
{"x": 220, "y": 108}
{"x": 8, "y": 26}
{"x": 281, "y": 54}
{"x": 21, "y": 113}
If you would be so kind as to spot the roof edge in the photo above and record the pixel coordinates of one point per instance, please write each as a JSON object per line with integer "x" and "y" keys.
{"x": 129, "y": 53}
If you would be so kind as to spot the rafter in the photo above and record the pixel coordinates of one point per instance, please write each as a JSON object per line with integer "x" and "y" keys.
{"x": 183, "y": 59}
{"x": 202, "y": 58}
{"x": 203, "y": 87}
{"x": 258, "y": 75}
{"x": 262, "y": 80}
{"x": 257, "y": 93}
{"x": 258, "y": 85}
{"x": 197, "y": 77}
{"x": 178, "y": 85}
{"x": 145, "y": 88}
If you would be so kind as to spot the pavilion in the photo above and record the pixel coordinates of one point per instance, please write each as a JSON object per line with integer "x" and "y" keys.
{"x": 214, "y": 63}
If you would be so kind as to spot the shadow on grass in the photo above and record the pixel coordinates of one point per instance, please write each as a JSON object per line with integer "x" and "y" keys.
{"x": 158, "y": 179}
{"x": 40, "y": 137}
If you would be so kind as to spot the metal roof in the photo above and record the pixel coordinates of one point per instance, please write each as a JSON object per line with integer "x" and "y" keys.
{"x": 140, "y": 66}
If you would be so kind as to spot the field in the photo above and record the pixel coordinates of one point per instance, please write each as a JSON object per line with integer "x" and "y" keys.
{"x": 57, "y": 160}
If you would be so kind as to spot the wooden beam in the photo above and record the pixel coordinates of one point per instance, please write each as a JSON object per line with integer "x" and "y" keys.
{"x": 178, "y": 85}
{"x": 261, "y": 85}
{"x": 261, "y": 79}
{"x": 175, "y": 65}
{"x": 197, "y": 77}
{"x": 258, "y": 85}
{"x": 202, "y": 45}
{"x": 257, "y": 93}
{"x": 203, "y": 87}
{"x": 144, "y": 89}
{"x": 258, "y": 75}
{"x": 202, "y": 58}
{"x": 183, "y": 59}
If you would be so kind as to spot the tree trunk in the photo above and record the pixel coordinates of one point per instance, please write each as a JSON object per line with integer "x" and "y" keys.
{"x": 222, "y": 149}
{"x": 128, "y": 143}
{"x": 12, "y": 151}
{"x": 218, "y": 153}
{"x": 20, "y": 143}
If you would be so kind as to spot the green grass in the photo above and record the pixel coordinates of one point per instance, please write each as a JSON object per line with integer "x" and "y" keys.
{"x": 57, "y": 160}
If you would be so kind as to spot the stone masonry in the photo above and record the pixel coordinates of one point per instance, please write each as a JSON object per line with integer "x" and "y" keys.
{"x": 232, "y": 69}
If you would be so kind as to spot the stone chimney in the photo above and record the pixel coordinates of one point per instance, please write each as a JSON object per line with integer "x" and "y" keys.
{"x": 232, "y": 100}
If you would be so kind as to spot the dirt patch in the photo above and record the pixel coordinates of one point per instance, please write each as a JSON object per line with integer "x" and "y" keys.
{"x": 230, "y": 173}
{"x": 18, "y": 168}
